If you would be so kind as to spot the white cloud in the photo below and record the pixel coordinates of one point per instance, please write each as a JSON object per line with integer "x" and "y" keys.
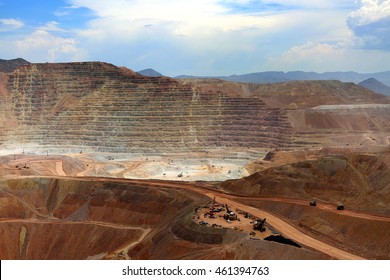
{"x": 171, "y": 10}
{"x": 7, "y": 24}
{"x": 51, "y": 26}
{"x": 45, "y": 43}
{"x": 309, "y": 4}
{"x": 323, "y": 57}
{"x": 312, "y": 55}
{"x": 202, "y": 34}
{"x": 195, "y": 25}
{"x": 183, "y": 17}
{"x": 44, "y": 46}
{"x": 213, "y": 36}
{"x": 358, "y": 41}
{"x": 371, "y": 24}
{"x": 369, "y": 12}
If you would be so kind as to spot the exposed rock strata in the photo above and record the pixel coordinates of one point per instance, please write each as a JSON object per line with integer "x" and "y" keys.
{"x": 104, "y": 108}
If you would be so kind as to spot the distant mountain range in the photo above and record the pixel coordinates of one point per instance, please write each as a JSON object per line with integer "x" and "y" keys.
{"x": 378, "y": 82}
{"x": 278, "y": 76}
{"x": 8, "y": 66}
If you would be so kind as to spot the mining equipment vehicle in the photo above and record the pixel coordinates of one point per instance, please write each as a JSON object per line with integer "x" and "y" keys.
{"x": 313, "y": 203}
{"x": 259, "y": 225}
{"x": 216, "y": 207}
{"x": 229, "y": 215}
{"x": 340, "y": 206}
{"x": 212, "y": 211}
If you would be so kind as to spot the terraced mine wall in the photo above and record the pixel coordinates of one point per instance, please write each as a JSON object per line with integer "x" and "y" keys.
{"x": 96, "y": 106}
{"x": 320, "y": 113}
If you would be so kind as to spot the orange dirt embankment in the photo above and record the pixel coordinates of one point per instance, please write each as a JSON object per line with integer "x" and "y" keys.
{"x": 37, "y": 239}
{"x": 44, "y": 218}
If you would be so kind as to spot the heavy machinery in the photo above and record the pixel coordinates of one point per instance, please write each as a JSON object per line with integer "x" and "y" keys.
{"x": 340, "y": 206}
{"x": 229, "y": 215}
{"x": 212, "y": 211}
{"x": 313, "y": 203}
{"x": 259, "y": 225}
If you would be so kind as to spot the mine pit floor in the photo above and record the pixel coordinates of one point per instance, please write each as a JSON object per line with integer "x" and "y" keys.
{"x": 242, "y": 224}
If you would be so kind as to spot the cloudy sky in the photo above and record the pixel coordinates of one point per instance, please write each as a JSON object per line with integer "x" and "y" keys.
{"x": 201, "y": 37}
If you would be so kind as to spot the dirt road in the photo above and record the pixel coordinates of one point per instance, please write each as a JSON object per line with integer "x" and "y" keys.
{"x": 58, "y": 221}
{"x": 124, "y": 249}
{"x": 322, "y": 206}
{"x": 29, "y": 207}
{"x": 207, "y": 188}
{"x": 290, "y": 231}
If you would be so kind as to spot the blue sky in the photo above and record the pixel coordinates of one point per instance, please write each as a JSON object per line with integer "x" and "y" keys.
{"x": 201, "y": 37}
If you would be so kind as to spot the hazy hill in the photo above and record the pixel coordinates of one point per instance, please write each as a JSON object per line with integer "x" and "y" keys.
{"x": 149, "y": 73}
{"x": 278, "y": 76}
{"x": 8, "y": 66}
{"x": 376, "y": 86}
{"x": 265, "y": 77}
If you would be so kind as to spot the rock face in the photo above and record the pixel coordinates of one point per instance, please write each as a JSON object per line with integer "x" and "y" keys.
{"x": 100, "y": 107}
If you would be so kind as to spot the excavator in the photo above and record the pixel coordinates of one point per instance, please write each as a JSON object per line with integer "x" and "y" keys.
{"x": 259, "y": 225}
{"x": 229, "y": 215}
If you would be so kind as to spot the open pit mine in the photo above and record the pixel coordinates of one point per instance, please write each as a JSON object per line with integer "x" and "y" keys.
{"x": 99, "y": 162}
